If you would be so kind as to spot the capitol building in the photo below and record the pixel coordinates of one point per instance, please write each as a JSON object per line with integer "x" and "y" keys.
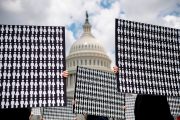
{"x": 87, "y": 51}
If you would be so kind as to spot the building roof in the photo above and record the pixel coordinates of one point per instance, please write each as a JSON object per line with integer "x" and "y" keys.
{"x": 87, "y": 43}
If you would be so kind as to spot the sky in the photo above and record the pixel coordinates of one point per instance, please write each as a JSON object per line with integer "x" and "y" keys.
{"x": 102, "y": 14}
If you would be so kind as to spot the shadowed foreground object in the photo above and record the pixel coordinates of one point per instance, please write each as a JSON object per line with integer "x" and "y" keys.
{"x": 15, "y": 114}
{"x": 149, "y": 107}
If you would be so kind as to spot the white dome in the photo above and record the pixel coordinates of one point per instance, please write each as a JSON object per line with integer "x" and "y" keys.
{"x": 88, "y": 52}
{"x": 87, "y": 43}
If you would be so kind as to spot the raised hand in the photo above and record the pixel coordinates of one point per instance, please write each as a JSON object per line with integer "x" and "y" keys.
{"x": 115, "y": 69}
{"x": 65, "y": 73}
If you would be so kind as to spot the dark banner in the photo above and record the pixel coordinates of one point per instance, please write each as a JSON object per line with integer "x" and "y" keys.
{"x": 31, "y": 60}
{"x": 96, "y": 94}
{"x": 148, "y": 58}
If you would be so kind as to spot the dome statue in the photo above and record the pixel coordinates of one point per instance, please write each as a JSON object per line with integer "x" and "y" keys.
{"x": 87, "y": 51}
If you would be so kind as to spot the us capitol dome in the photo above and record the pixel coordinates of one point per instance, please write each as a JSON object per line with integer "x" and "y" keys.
{"x": 87, "y": 51}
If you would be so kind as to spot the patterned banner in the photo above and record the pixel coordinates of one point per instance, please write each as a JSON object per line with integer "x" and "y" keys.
{"x": 31, "y": 60}
{"x": 96, "y": 94}
{"x": 174, "y": 103}
{"x": 59, "y": 113}
{"x": 37, "y": 111}
{"x": 148, "y": 58}
{"x": 130, "y": 105}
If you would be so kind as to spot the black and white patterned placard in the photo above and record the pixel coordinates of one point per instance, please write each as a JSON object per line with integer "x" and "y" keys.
{"x": 96, "y": 94}
{"x": 31, "y": 60}
{"x": 174, "y": 103}
{"x": 148, "y": 58}
{"x": 59, "y": 113}
{"x": 130, "y": 104}
{"x": 37, "y": 111}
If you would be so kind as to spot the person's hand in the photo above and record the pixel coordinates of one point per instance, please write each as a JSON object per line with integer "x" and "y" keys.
{"x": 85, "y": 115}
{"x": 115, "y": 69}
{"x": 74, "y": 102}
{"x": 65, "y": 74}
{"x": 30, "y": 116}
{"x": 124, "y": 107}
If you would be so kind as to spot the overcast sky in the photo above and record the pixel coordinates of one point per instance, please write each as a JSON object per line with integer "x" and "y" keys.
{"x": 102, "y": 14}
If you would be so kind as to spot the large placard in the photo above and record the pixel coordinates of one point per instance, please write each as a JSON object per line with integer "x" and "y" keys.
{"x": 59, "y": 113}
{"x": 31, "y": 60}
{"x": 96, "y": 94}
{"x": 148, "y": 58}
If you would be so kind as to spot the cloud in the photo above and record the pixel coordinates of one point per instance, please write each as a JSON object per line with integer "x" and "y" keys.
{"x": 104, "y": 27}
{"x": 172, "y": 21}
{"x": 23, "y": 12}
{"x": 69, "y": 40}
{"x": 75, "y": 27}
{"x": 106, "y": 3}
{"x": 11, "y": 5}
{"x": 148, "y": 11}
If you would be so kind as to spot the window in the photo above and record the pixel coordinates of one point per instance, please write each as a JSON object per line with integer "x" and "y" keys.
{"x": 67, "y": 82}
{"x": 85, "y": 62}
{"x": 71, "y": 79}
{"x": 89, "y": 62}
{"x": 73, "y": 63}
{"x": 108, "y": 64}
{"x": 77, "y": 62}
